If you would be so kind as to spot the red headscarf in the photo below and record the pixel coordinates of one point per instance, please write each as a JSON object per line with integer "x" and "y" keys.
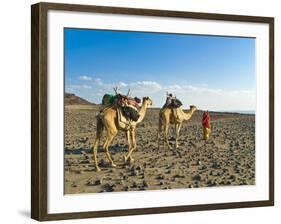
{"x": 206, "y": 120}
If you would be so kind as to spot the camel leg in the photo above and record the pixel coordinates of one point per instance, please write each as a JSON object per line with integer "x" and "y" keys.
{"x": 159, "y": 133}
{"x": 166, "y": 128}
{"x": 108, "y": 140}
{"x": 97, "y": 142}
{"x": 134, "y": 146}
{"x": 178, "y": 127}
{"x": 129, "y": 144}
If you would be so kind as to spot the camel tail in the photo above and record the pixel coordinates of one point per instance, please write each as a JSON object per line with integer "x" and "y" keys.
{"x": 159, "y": 128}
{"x": 99, "y": 127}
{"x": 160, "y": 123}
{"x": 99, "y": 130}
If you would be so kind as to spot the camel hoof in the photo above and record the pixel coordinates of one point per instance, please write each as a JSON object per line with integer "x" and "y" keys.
{"x": 131, "y": 160}
{"x": 98, "y": 169}
{"x": 125, "y": 159}
{"x": 113, "y": 165}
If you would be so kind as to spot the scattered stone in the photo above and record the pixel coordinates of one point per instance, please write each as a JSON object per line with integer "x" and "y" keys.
{"x": 145, "y": 184}
{"x": 134, "y": 172}
{"x": 68, "y": 162}
{"x": 215, "y": 165}
{"x": 109, "y": 187}
{"x": 168, "y": 172}
{"x": 193, "y": 144}
{"x": 202, "y": 167}
{"x": 102, "y": 163}
{"x": 179, "y": 155}
{"x": 138, "y": 167}
{"x": 95, "y": 182}
{"x": 83, "y": 140}
{"x": 135, "y": 184}
{"x": 178, "y": 176}
{"x": 172, "y": 139}
{"x": 126, "y": 188}
{"x": 196, "y": 184}
{"x": 121, "y": 182}
{"x": 245, "y": 182}
{"x": 211, "y": 183}
{"x": 196, "y": 177}
{"x": 160, "y": 177}
{"x": 84, "y": 161}
{"x": 228, "y": 182}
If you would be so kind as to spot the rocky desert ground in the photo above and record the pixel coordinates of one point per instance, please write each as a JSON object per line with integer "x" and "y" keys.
{"x": 227, "y": 158}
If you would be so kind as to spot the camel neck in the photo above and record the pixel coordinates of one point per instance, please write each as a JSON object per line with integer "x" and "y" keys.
{"x": 142, "y": 111}
{"x": 188, "y": 114}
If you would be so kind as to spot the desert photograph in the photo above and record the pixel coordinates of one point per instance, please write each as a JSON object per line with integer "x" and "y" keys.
{"x": 155, "y": 111}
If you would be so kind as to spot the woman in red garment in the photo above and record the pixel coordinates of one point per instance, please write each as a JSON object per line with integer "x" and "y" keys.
{"x": 206, "y": 122}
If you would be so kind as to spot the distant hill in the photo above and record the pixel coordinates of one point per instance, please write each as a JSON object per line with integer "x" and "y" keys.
{"x": 72, "y": 99}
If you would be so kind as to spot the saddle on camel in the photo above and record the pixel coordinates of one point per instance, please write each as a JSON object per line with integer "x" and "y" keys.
{"x": 128, "y": 106}
{"x": 172, "y": 102}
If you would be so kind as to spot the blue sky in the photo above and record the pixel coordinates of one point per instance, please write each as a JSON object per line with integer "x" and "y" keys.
{"x": 211, "y": 72}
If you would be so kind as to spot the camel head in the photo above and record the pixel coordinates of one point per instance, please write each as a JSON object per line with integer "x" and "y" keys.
{"x": 193, "y": 108}
{"x": 147, "y": 101}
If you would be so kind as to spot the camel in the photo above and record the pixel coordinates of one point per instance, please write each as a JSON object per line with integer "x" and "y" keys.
{"x": 174, "y": 116}
{"x": 108, "y": 120}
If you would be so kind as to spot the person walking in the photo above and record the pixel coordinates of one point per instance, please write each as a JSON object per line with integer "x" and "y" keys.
{"x": 206, "y": 123}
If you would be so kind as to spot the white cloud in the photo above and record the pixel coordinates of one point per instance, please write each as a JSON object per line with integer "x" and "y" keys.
{"x": 147, "y": 87}
{"x": 85, "y": 78}
{"x": 86, "y": 87}
{"x": 174, "y": 87}
{"x": 122, "y": 84}
{"x": 203, "y": 96}
{"x": 73, "y": 87}
{"x": 200, "y": 89}
{"x": 98, "y": 81}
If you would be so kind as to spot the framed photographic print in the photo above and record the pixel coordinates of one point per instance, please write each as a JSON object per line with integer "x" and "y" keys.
{"x": 140, "y": 111}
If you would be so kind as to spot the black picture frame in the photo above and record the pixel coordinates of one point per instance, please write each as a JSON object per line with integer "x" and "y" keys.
{"x": 39, "y": 106}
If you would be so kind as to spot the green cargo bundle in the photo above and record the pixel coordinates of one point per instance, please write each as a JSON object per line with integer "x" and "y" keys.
{"x": 108, "y": 99}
